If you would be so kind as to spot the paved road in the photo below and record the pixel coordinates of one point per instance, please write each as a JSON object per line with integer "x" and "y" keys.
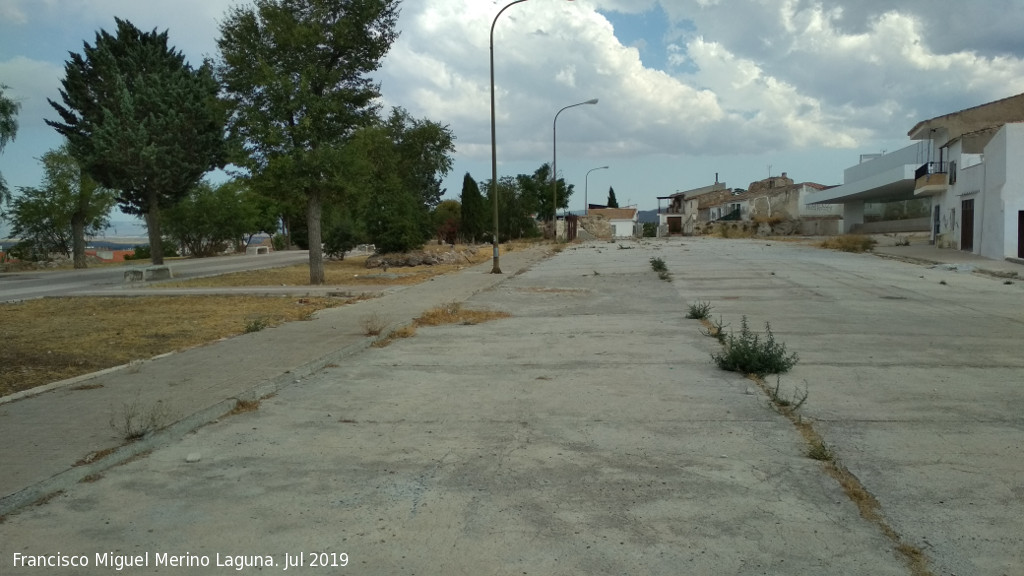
{"x": 590, "y": 434}
{"x": 36, "y": 284}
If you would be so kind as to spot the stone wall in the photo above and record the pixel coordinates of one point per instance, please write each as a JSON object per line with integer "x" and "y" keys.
{"x": 596, "y": 226}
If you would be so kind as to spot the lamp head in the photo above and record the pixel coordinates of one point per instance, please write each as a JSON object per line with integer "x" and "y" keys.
{"x": 592, "y": 101}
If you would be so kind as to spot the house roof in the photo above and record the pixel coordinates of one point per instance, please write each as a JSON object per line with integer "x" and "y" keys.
{"x": 614, "y": 213}
{"x": 978, "y": 121}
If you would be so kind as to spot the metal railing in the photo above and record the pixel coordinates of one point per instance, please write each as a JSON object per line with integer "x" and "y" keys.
{"x": 931, "y": 168}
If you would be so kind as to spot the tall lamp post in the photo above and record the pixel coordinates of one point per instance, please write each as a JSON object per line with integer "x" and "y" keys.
{"x": 586, "y": 185}
{"x": 554, "y": 166}
{"x": 495, "y": 269}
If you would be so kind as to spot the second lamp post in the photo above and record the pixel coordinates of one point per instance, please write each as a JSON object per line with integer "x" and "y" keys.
{"x": 554, "y": 167}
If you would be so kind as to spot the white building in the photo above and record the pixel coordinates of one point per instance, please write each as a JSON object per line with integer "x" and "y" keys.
{"x": 976, "y": 182}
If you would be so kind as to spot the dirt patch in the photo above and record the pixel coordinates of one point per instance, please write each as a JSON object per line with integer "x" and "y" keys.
{"x": 53, "y": 339}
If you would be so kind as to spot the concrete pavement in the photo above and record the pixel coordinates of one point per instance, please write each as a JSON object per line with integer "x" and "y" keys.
{"x": 587, "y": 434}
{"x": 66, "y": 434}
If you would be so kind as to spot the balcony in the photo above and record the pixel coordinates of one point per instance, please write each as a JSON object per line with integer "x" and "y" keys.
{"x": 931, "y": 179}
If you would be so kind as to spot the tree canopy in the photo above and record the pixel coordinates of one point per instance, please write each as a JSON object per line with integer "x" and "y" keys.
{"x": 296, "y": 75}
{"x": 474, "y": 213}
{"x": 139, "y": 119}
{"x": 8, "y": 130}
{"x": 57, "y": 216}
{"x": 211, "y": 218}
{"x": 612, "y": 201}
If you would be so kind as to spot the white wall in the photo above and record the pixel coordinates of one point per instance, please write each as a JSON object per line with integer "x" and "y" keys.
{"x": 622, "y": 228}
{"x": 1004, "y": 192}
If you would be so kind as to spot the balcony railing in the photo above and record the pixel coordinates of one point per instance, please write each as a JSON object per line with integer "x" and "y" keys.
{"x": 931, "y": 168}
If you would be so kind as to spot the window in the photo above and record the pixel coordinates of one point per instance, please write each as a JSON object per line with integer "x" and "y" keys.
{"x": 952, "y": 172}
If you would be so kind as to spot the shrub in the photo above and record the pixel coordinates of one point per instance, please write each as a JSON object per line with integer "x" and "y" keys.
{"x": 850, "y": 243}
{"x": 143, "y": 252}
{"x": 279, "y": 242}
{"x": 658, "y": 265}
{"x": 699, "y": 310}
{"x": 748, "y": 353}
{"x": 650, "y": 229}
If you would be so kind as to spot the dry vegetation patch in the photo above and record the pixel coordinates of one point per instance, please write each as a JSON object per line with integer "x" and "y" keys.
{"x": 347, "y": 272}
{"x": 52, "y": 339}
{"x": 451, "y": 313}
{"x": 850, "y": 243}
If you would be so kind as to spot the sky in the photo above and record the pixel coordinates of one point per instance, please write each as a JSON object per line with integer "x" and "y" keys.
{"x": 687, "y": 89}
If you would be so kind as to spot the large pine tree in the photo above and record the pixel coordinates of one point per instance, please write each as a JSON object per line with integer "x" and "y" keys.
{"x": 139, "y": 119}
{"x": 474, "y": 213}
{"x": 612, "y": 201}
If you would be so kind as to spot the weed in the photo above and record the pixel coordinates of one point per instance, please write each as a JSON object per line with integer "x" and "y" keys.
{"x": 134, "y": 421}
{"x": 820, "y": 451}
{"x": 665, "y": 275}
{"x": 850, "y": 243}
{"x": 256, "y": 324}
{"x": 790, "y": 404}
{"x": 1008, "y": 282}
{"x": 658, "y": 265}
{"x": 748, "y": 353}
{"x": 699, "y": 310}
{"x": 404, "y": 332}
{"x": 372, "y": 324}
{"x": 942, "y": 282}
{"x": 243, "y": 406}
{"x": 596, "y": 273}
{"x": 902, "y": 241}
{"x": 715, "y": 329}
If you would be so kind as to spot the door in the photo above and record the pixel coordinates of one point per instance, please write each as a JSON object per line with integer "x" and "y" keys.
{"x": 1020, "y": 234}
{"x": 935, "y": 227}
{"x": 675, "y": 225}
{"x": 967, "y": 226}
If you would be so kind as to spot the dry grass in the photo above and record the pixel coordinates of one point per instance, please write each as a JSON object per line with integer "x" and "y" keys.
{"x": 451, "y": 313}
{"x": 56, "y": 338}
{"x": 849, "y": 243}
{"x": 348, "y": 272}
{"x": 454, "y": 313}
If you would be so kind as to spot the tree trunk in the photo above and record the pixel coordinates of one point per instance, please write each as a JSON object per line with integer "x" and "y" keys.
{"x": 78, "y": 239}
{"x": 314, "y": 208}
{"x": 156, "y": 245}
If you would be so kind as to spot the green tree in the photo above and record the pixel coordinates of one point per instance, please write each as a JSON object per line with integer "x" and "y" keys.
{"x": 612, "y": 201}
{"x": 514, "y": 217}
{"x": 296, "y": 74}
{"x": 209, "y": 218}
{"x": 57, "y": 216}
{"x": 537, "y": 194}
{"x": 448, "y": 221}
{"x": 473, "y": 215}
{"x": 141, "y": 120}
{"x": 424, "y": 150}
{"x": 8, "y": 130}
{"x": 395, "y": 218}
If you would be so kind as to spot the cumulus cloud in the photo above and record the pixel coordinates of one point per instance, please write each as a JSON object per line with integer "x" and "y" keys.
{"x": 740, "y": 77}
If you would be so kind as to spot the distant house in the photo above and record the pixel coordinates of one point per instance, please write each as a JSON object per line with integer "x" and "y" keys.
{"x": 684, "y": 208}
{"x": 622, "y": 222}
{"x": 772, "y": 200}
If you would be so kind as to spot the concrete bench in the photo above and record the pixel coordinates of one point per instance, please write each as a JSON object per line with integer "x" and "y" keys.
{"x": 148, "y": 274}
{"x": 257, "y": 250}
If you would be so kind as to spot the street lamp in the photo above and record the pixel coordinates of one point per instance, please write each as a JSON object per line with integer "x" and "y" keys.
{"x": 495, "y": 269}
{"x": 586, "y": 183}
{"x": 554, "y": 166}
